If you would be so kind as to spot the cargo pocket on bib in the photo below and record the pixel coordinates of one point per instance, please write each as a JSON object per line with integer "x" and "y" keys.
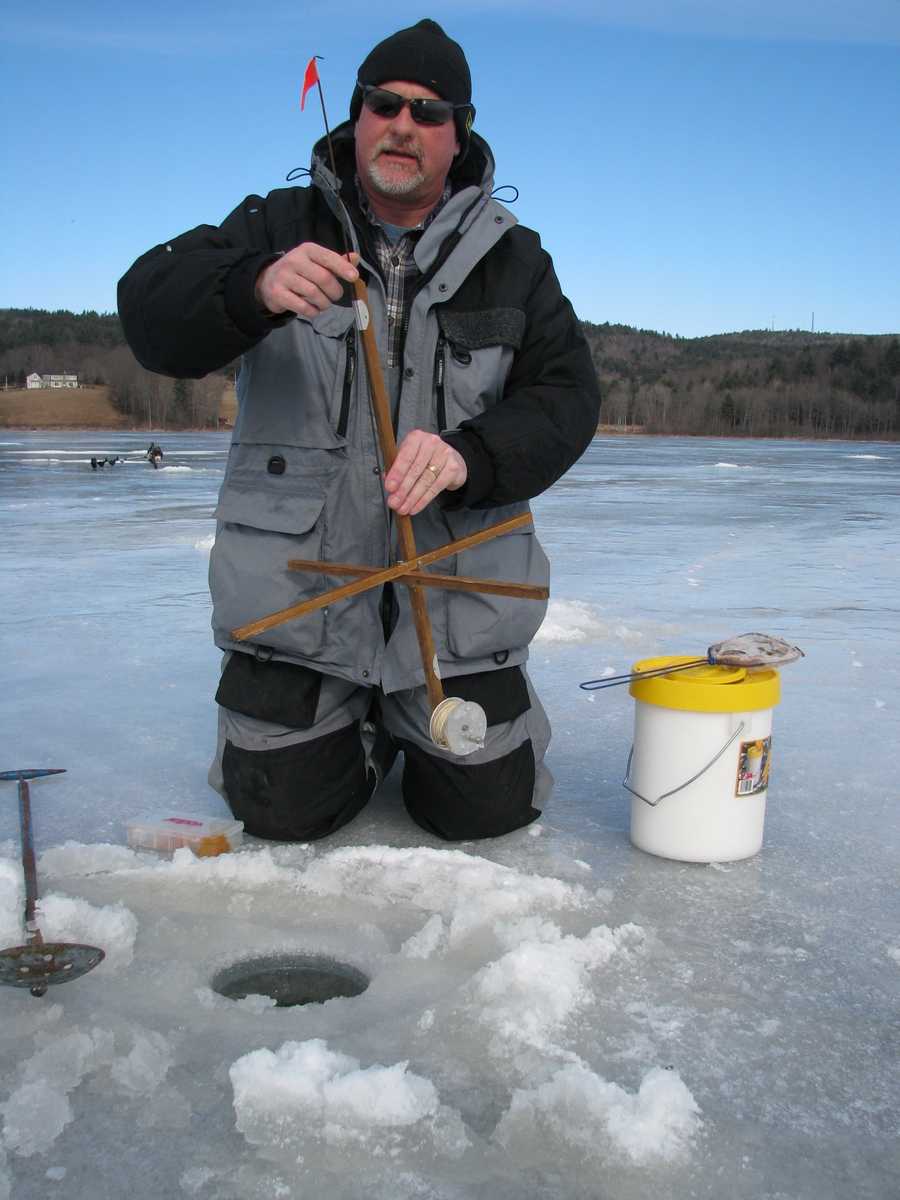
{"x": 270, "y": 690}
{"x": 502, "y": 695}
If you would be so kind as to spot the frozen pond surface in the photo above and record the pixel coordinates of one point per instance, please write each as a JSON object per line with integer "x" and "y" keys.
{"x": 552, "y": 1016}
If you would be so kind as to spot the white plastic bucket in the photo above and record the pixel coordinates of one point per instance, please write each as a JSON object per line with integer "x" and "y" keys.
{"x": 699, "y": 767}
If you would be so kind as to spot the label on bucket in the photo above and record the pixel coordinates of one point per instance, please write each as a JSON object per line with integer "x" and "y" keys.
{"x": 753, "y": 767}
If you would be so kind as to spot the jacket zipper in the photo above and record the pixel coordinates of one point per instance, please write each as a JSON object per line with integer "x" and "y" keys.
{"x": 349, "y": 373}
{"x": 439, "y": 383}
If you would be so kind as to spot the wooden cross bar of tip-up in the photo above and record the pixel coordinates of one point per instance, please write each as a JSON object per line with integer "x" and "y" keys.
{"x": 456, "y": 725}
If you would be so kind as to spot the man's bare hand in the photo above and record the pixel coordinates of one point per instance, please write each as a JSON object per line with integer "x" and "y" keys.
{"x": 425, "y": 466}
{"x": 306, "y": 280}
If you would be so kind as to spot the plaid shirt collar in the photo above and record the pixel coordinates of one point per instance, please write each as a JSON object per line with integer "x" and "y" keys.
{"x": 398, "y": 269}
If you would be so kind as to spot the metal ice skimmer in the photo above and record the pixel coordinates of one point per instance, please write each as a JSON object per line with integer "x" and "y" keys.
{"x": 38, "y": 964}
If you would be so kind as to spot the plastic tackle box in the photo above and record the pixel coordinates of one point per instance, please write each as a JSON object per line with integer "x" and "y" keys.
{"x": 206, "y": 837}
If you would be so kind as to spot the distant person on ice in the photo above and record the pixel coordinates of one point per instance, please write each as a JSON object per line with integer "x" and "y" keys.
{"x": 154, "y": 454}
{"x": 494, "y": 398}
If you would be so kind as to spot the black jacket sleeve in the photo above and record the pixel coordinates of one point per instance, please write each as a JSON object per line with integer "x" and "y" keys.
{"x": 188, "y": 306}
{"x": 550, "y": 407}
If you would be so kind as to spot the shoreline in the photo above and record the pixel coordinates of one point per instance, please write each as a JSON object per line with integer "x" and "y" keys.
{"x": 90, "y": 408}
{"x": 602, "y": 431}
{"x": 102, "y": 431}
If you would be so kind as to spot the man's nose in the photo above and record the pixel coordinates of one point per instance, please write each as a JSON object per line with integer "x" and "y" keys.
{"x": 403, "y": 122}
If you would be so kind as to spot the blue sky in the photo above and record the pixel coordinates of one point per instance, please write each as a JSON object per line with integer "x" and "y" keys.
{"x": 693, "y": 167}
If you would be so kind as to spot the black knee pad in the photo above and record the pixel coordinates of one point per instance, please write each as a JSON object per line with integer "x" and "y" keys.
{"x": 297, "y": 793}
{"x": 458, "y": 802}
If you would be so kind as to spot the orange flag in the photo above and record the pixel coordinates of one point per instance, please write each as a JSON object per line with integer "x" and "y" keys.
{"x": 310, "y": 79}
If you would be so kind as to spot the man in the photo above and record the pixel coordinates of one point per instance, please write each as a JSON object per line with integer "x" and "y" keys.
{"x": 493, "y": 395}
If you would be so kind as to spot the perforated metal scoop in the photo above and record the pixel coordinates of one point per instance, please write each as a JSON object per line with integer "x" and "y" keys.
{"x": 753, "y": 651}
{"x": 44, "y": 963}
{"x": 38, "y": 964}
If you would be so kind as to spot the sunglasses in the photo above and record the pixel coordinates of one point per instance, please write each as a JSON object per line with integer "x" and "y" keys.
{"x": 388, "y": 105}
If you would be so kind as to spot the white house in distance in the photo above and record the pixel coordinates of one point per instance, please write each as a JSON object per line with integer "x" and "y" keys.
{"x": 51, "y": 381}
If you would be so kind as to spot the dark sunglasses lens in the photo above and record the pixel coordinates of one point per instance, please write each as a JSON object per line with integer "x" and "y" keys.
{"x": 431, "y": 112}
{"x": 383, "y": 104}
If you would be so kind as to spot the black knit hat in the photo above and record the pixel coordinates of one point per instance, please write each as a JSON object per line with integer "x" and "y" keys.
{"x": 422, "y": 54}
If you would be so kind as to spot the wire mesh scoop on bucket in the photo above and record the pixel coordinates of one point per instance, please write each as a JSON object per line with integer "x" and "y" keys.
{"x": 38, "y": 964}
{"x": 753, "y": 651}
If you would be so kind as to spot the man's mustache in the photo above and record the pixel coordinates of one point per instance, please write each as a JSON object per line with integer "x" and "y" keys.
{"x": 399, "y": 145}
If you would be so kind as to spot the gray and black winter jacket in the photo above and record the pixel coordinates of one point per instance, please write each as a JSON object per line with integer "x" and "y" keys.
{"x": 493, "y": 359}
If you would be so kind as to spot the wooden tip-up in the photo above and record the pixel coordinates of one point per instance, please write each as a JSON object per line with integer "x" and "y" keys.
{"x": 450, "y": 583}
{"x": 375, "y": 577}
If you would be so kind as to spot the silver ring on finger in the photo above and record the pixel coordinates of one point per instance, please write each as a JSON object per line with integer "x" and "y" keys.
{"x": 435, "y": 471}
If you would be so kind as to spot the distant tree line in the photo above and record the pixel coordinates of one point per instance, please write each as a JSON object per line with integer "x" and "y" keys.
{"x": 757, "y": 383}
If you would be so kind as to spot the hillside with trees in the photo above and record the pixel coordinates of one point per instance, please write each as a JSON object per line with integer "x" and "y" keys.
{"x": 93, "y": 346}
{"x": 758, "y": 383}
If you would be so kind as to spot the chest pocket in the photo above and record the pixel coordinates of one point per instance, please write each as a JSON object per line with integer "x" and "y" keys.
{"x": 295, "y": 386}
{"x": 334, "y": 345}
{"x": 472, "y": 361}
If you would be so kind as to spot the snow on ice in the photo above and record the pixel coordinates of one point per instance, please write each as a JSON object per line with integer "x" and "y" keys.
{"x": 550, "y": 1016}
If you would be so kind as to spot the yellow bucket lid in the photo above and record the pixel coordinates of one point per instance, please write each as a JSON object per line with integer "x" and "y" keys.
{"x": 705, "y": 688}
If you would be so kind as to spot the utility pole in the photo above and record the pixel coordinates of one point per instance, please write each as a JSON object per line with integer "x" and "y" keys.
{"x": 813, "y": 327}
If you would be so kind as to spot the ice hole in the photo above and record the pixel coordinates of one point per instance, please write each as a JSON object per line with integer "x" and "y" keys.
{"x": 290, "y": 979}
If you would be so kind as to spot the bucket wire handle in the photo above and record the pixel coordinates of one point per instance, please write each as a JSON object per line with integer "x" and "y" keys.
{"x": 687, "y": 782}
